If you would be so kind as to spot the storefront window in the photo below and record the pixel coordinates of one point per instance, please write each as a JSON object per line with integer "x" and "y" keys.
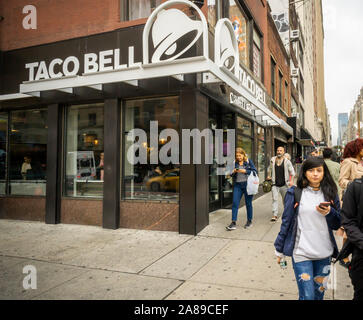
{"x": 244, "y": 125}
{"x": 261, "y": 149}
{"x": 28, "y": 152}
{"x": 3, "y": 133}
{"x": 150, "y": 181}
{"x": 84, "y": 151}
{"x": 257, "y": 54}
{"x": 239, "y": 23}
{"x": 245, "y": 143}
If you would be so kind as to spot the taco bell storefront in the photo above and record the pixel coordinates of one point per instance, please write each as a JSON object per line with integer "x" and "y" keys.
{"x": 67, "y": 108}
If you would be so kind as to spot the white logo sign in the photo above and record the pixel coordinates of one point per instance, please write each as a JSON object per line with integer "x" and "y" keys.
{"x": 240, "y": 102}
{"x": 168, "y": 27}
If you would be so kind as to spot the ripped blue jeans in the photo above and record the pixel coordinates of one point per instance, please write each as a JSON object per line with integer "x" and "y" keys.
{"x": 312, "y": 277}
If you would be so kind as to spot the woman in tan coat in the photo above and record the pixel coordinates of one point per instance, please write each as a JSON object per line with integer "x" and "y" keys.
{"x": 351, "y": 168}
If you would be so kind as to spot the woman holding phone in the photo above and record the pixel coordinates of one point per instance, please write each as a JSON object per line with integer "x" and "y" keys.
{"x": 242, "y": 169}
{"x": 312, "y": 212}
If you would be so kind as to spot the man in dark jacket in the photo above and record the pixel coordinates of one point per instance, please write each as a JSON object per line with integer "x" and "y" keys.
{"x": 352, "y": 217}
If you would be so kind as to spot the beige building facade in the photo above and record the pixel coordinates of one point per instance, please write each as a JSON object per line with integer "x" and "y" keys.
{"x": 355, "y": 118}
{"x": 316, "y": 116}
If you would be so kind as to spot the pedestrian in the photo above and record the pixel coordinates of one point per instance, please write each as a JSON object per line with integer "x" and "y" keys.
{"x": 350, "y": 169}
{"x": 242, "y": 169}
{"x": 282, "y": 173}
{"x": 314, "y": 153}
{"x": 312, "y": 212}
{"x": 352, "y": 217}
{"x": 334, "y": 167}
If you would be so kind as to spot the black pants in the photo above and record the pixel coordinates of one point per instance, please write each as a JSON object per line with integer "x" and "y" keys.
{"x": 356, "y": 274}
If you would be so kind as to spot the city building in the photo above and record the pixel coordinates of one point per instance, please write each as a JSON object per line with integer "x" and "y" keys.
{"x": 355, "y": 122}
{"x": 342, "y": 126}
{"x": 74, "y": 89}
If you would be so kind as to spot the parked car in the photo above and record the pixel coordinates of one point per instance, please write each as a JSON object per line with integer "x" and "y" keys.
{"x": 168, "y": 181}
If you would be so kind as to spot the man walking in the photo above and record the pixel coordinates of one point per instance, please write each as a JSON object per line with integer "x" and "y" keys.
{"x": 352, "y": 221}
{"x": 281, "y": 172}
{"x": 334, "y": 167}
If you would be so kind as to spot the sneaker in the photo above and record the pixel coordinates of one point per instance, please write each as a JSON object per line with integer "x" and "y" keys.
{"x": 274, "y": 219}
{"x": 248, "y": 224}
{"x": 232, "y": 226}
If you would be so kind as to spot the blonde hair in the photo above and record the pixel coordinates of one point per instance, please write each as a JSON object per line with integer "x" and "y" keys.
{"x": 287, "y": 156}
{"x": 243, "y": 153}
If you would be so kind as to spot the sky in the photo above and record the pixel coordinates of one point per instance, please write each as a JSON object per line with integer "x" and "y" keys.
{"x": 343, "y": 30}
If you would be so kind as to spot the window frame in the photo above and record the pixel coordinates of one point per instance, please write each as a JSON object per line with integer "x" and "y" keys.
{"x": 281, "y": 77}
{"x": 8, "y": 150}
{"x": 124, "y": 132}
{"x": 254, "y": 45}
{"x": 125, "y": 11}
{"x": 65, "y": 126}
{"x": 273, "y": 78}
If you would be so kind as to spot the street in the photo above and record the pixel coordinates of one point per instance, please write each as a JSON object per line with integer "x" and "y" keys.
{"x": 87, "y": 262}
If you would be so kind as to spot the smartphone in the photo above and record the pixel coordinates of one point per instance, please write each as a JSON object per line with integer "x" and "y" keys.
{"x": 324, "y": 205}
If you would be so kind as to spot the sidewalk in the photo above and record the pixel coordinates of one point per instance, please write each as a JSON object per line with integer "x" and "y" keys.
{"x": 85, "y": 262}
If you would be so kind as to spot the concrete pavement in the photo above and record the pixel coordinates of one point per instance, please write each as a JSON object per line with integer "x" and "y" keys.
{"x": 86, "y": 262}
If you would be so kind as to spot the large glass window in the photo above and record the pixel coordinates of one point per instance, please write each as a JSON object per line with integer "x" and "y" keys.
{"x": 3, "y": 134}
{"x": 84, "y": 157}
{"x": 245, "y": 143}
{"x": 150, "y": 181}
{"x": 28, "y": 152}
{"x": 257, "y": 57}
{"x": 239, "y": 23}
{"x": 244, "y": 126}
{"x": 132, "y": 10}
{"x": 244, "y": 136}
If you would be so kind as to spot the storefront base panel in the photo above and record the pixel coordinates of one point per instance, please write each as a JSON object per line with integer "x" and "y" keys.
{"x": 17, "y": 208}
{"x": 86, "y": 212}
{"x": 149, "y": 216}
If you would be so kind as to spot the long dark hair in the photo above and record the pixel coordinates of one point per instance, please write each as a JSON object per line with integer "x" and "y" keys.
{"x": 327, "y": 185}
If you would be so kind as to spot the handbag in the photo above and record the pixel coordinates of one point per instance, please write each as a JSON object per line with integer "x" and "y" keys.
{"x": 252, "y": 183}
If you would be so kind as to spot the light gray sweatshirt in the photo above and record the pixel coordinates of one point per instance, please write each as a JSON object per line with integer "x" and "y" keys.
{"x": 312, "y": 238}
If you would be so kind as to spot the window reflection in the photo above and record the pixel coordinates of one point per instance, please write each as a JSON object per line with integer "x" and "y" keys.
{"x": 84, "y": 151}
{"x": 151, "y": 181}
{"x": 28, "y": 152}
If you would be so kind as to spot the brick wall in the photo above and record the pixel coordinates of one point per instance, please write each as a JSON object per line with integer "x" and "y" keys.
{"x": 277, "y": 51}
{"x": 58, "y": 20}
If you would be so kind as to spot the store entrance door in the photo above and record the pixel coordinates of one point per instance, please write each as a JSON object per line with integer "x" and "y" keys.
{"x": 220, "y": 186}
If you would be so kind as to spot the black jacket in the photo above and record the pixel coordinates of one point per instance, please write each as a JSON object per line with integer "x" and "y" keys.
{"x": 352, "y": 212}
